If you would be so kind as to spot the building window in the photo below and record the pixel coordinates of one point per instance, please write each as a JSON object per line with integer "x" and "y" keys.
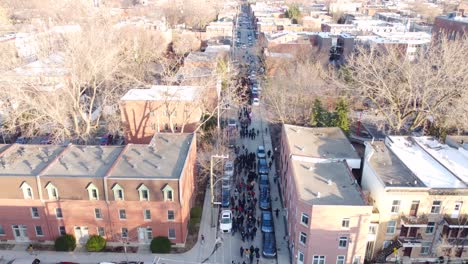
{"x": 52, "y": 191}
{"x": 386, "y": 243}
{"x": 149, "y": 232}
{"x": 345, "y": 223}
{"x": 39, "y": 231}
{"x": 305, "y": 219}
{"x": 172, "y": 234}
{"x": 118, "y": 192}
{"x": 93, "y": 192}
{"x": 2, "y": 231}
{"x": 430, "y": 227}
{"x": 98, "y": 213}
{"x": 170, "y": 215}
{"x": 62, "y": 230}
{"x": 27, "y": 191}
{"x": 303, "y": 238}
{"x": 340, "y": 260}
{"x": 318, "y": 260}
{"x": 357, "y": 260}
{"x": 101, "y": 231}
{"x": 425, "y": 248}
{"x": 58, "y": 212}
{"x": 343, "y": 242}
{"x": 300, "y": 257}
{"x": 34, "y": 212}
{"x": 143, "y": 191}
{"x": 122, "y": 214}
{"x": 124, "y": 232}
{"x": 395, "y": 206}
{"x": 168, "y": 193}
{"x": 147, "y": 214}
{"x": 435, "y": 209}
{"x": 372, "y": 229}
{"x": 391, "y": 227}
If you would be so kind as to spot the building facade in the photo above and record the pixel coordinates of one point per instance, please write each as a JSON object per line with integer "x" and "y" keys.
{"x": 126, "y": 193}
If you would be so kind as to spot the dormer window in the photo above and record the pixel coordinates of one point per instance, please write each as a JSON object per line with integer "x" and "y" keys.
{"x": 27, "y": 191}
{"x": 93, "y": 191}
{"x": 143, "y": 191}
{"x": 52, "y": 191}
{"x": 168, "y": 193}
{"x": 118, "y": 192}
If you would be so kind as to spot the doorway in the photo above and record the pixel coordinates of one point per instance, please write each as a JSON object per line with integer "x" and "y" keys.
{"x": 81, "y": 234}
{"x": 21, "y": 233}
{"x": 145, "y": 235}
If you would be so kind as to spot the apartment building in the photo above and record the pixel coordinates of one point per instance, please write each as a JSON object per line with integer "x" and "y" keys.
{"x": 327, "y": 215}
{"x": 126, "y": 193}
{"x": 418, "y": 186}
{"x": 452, "y": 26}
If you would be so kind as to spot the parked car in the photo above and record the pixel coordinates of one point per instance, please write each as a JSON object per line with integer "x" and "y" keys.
{"x": 269, "y": 245}
{"x": 261, "y": 152}
{"x": 225, "y": 197}
{"x": 232, "y": 123}
{"x": 263, "y": 181}
{"x": 22, "y": 140}
{"x": 225, "y": 222}
{"x": 105, "y": 140}
{"x": 229, "y": 168}
{"x": 262, "y": 166}
{"x": 265, "y": 200}
{"x": 267, "y": 222}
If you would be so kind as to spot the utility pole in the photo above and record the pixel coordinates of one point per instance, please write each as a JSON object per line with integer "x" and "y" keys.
{"x": 213, "y": 209}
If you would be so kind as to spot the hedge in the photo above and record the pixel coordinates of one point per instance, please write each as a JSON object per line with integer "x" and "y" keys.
{"x": 95, "y": 243}
{"x": 65, "y": 243}
{"x": 160, "y": 244}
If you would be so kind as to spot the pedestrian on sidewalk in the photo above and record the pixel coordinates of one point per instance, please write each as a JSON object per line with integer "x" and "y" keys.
{"x": 266, "y": 130}
{"x": 241, "y": 252}
{"x": 202, "y": 239}
{"x": 269, "y": 153}
{"x": 277, "y": 212}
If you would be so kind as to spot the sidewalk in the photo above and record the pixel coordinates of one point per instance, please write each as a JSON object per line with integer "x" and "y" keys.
{"x": 197, "y": 254}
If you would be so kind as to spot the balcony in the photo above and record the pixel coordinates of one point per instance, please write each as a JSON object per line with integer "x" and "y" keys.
{"x": 411, "y": 242}
{"x": 414, "y": 221}
{"x": 456, "y": 222}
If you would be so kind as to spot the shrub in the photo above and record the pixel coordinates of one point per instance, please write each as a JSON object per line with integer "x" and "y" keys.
{"x": 95, "y": 243}
{"x": 65, "y": 243}
{"x": 195, "y": 214}
{"x": 160, "y": 244}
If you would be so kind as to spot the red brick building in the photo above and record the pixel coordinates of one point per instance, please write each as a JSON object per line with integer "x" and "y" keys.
{"x": 453, "y": 26}
{"x": 124, "y": 193}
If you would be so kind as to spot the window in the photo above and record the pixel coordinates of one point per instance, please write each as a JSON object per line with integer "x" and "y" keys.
{"x": 391, "y": 227}
{"x": 386, "y": 243}
{"x": 345, "y": 223}
{"x": 2, "y": 231}
{"x": 343, "y": 242}
{"x": 39, "y": 231}
{"x": 435, "y": 209}
{"x": 58, "y": 212}
{"x": 170, "y": 215}
{"x": 318, "y": 260}
{"x": 122, "y": 214}
{"x": 149, "y": 232}
{"x": 430, "y": 227}
{"x": 27, "y": 191}
{"x": 372, "y": 229}
{"x": 93, "y": 192}
{"x": 357, "y": 260}
{"x": 101, "y": 231}
{"x": 143, "y": 191}
{"x": 303, "y": 238}
{"x": 34, "y": 212}
{"x": 62, "y": 230}
{"x": 118, "y": 192}
{"x": 147, "y": 214}
{"x": 124, "y": 232}
{"x": 98, "y": 213}
{"x": 172, "y": 233}
{"x": 340, "y": 260}
{"x": 168, "y": 193}
{"x": 304, "y": 219}
{"x": 52, "y": 191}
{"x": 300, "y": 257}
{"x": 425, "y": 248}
{"x": 395, "y": 206}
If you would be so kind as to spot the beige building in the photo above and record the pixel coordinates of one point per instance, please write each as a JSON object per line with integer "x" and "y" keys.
{"x": 419, "y": 187}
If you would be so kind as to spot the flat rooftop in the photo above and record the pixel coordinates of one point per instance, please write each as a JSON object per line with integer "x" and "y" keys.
{"x": 162, "y": 93}
{"x": 326, "y": 183}
{"x": 425, "y": 167}
{"x": 319, "y": 142}
{"x": 164, "y": 158}
{"x": 391, "y": 170}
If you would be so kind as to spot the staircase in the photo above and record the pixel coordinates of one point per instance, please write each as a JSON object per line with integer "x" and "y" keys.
{"x": 382, "y": 255}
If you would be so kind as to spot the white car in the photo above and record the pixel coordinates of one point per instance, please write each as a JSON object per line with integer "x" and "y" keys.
{"x": 229, "y": 168}
{"x": 225, "y": 223}
{"x": 256, "y": 101}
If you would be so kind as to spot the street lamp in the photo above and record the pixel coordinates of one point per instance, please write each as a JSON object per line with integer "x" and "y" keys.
{"x": 213, "y": 210}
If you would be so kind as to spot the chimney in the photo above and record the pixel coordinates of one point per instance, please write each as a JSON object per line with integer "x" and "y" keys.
{"x": 329, "y": 182}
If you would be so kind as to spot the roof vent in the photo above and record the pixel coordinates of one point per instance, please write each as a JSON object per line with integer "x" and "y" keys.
{"x": 391, "y": 182}
{"x": 415, "y": 182}
{"x": 318, "y": 195}
{"x": 329, "y": 182}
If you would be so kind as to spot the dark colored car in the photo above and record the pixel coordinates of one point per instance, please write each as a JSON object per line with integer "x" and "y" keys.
{"x": 267, "y": 222}
{"x": 263, "y": 181}
{"x": 22, "y": 140}
{"x": 265, "y": 200}
{"x": 225, "y": 197}
{"x": 262, "y": 166}
{"x": 269, "y": 245}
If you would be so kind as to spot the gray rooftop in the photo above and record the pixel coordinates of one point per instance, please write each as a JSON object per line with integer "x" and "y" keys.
{"x": 391, "y": 170}
{"x": 326, "y": 183}
{"x": 85, "y": 161}
{"x": 319, "y": 142}
{"x": 27, "y": 160}
{"x": 200, "y": 56}
{"x": 164, "y": 157}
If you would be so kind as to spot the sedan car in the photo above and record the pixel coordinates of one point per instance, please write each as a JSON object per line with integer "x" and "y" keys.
{"x": 225, "y": 223}
{"x": 263, "y": 181}
{"x": 225, "y": 197}
{"x": 267, "y": 222}
{"x": 229, "y": 168}
{"x": 262, "y": 166}
{"x": 261, "y": 152}
{"x": 265, "y": 200}
{"x": 269, "y": 245}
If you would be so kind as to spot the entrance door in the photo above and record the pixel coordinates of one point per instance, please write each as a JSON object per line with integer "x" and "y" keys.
{"x": 456, "y": 210}
{"x": 21, "y": 233}
{"x": 81, "y": 234}
{"x": 300, "y": 257}
{"x": 407, "y": 252}
{"x": 145, "y": 235}
{"x": 413, "y": 232}
{"x": 414, "y": 208}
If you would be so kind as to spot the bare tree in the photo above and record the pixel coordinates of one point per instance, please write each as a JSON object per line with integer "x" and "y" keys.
{"x": 183, "y": 43}
{"x": 409, "y": 93}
